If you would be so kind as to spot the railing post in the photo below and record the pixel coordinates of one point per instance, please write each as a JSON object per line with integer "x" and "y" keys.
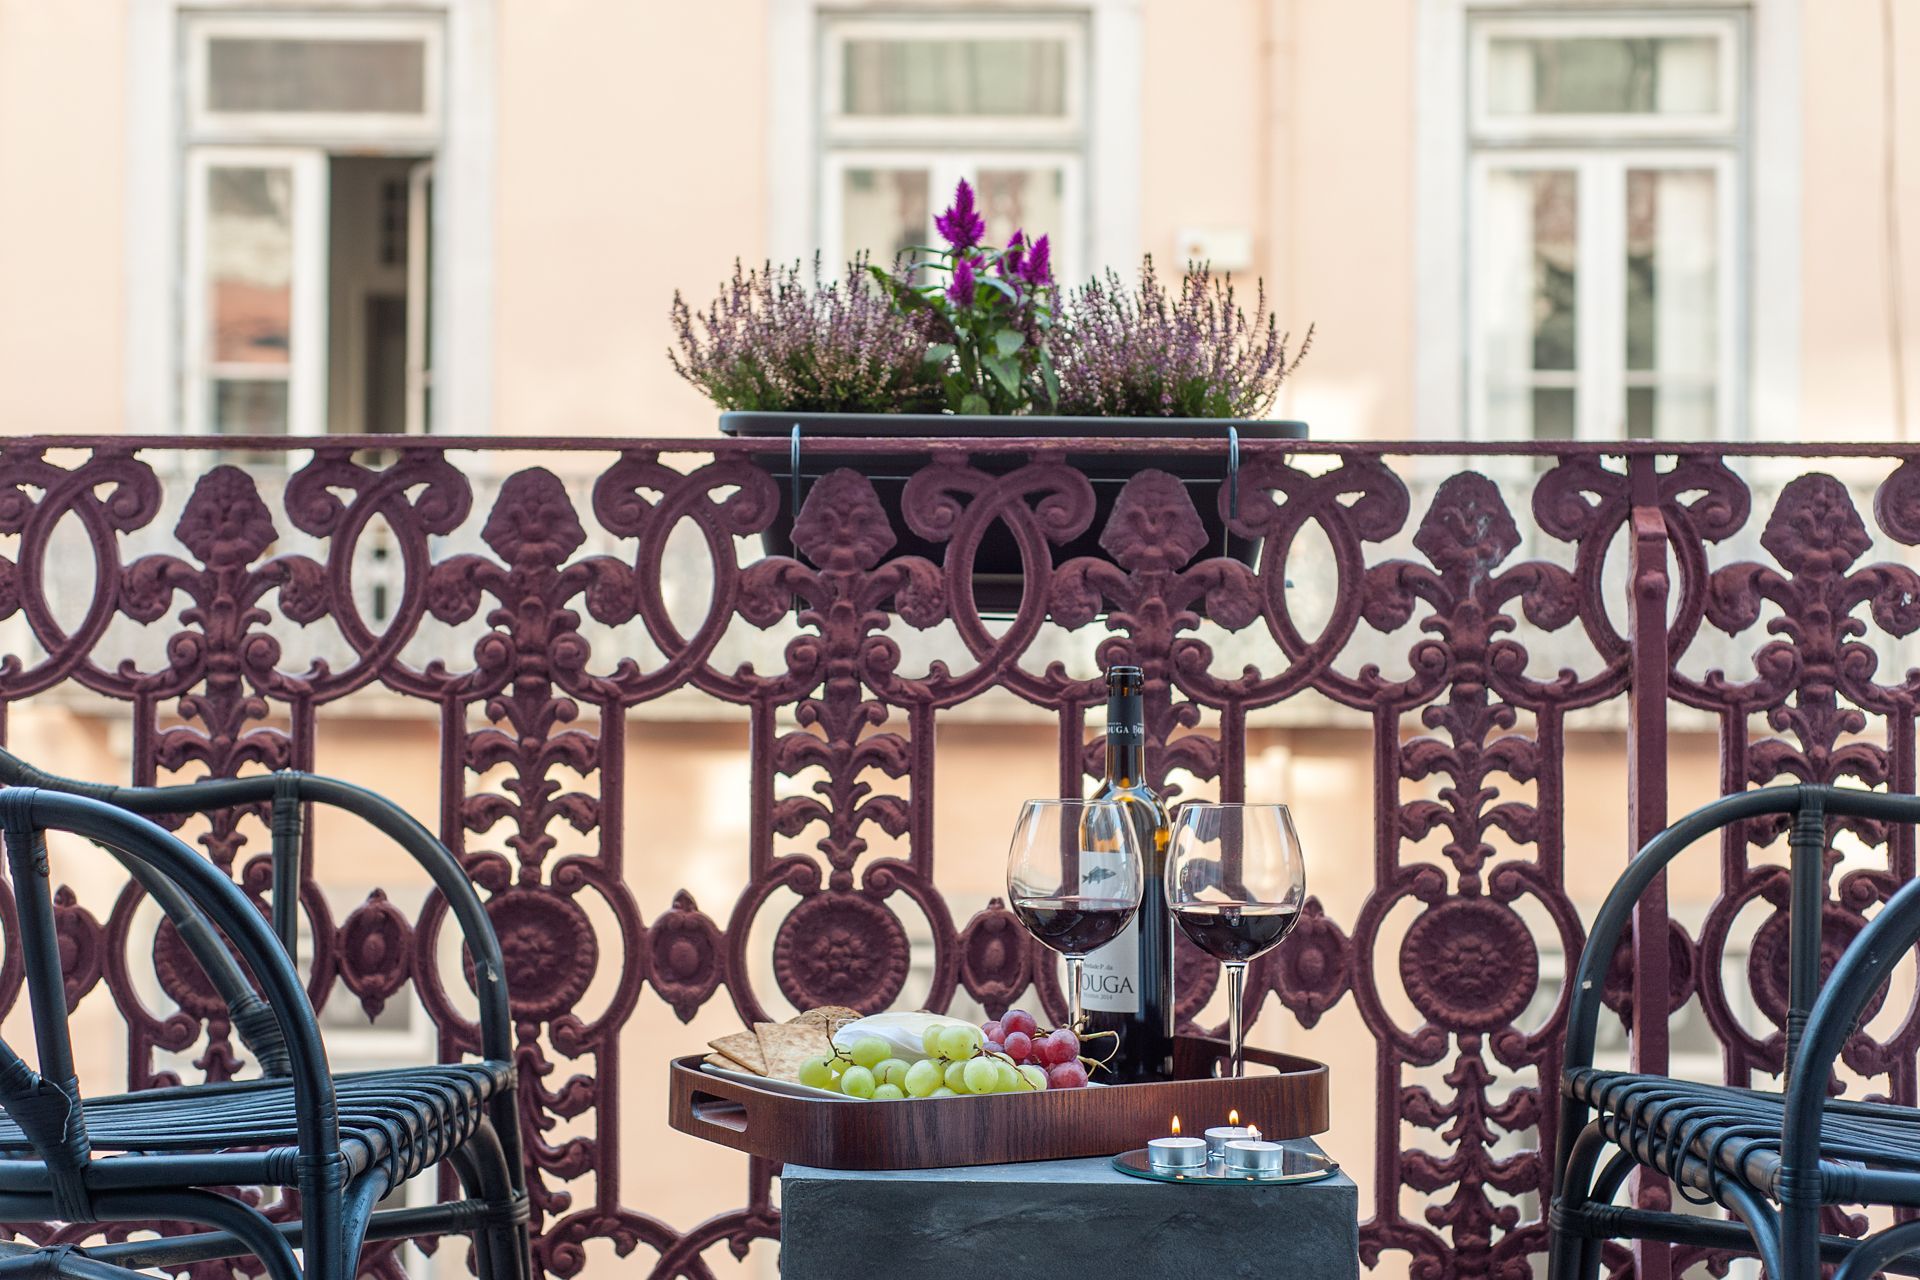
{"x": 1648, "y": 587}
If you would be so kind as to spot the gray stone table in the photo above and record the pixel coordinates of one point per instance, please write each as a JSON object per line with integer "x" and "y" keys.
{"x": 1081, "y": 1218}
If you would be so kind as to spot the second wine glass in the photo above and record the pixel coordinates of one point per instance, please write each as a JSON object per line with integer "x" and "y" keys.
{"x": 1074, "y": 878}
{"x": 1235, "y": 884}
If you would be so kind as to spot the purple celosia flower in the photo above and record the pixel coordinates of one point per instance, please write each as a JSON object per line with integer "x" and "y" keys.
{"x": 961, "y": 225}
{"x": 1037, "y": 268}
{"x": 961, "y": 290}
{"x": 1015, "y": 252}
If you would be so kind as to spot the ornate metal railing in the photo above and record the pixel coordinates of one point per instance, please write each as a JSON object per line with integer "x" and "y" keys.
{"x": 1471, "y": 606}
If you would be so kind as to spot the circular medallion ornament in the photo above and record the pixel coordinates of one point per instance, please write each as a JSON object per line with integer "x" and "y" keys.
{"x": 684, "y": 951}
{"x": 1313, "y": 968}
{"x": 376, "y": 952}
{"x": 840, "y": 948}
{"x": 181, "y": 977}
{"x": 995, "y": 963}
{"x": 548, "y": 949}
{"x": 1772, "y": 945}
{"x": 1469, "y": 964}
{"x": 79, "y": 936}
{"x": 1617, "y": 992}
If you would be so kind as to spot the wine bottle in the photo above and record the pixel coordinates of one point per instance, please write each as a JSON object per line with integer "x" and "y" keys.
{"x": 1127, "y": 986}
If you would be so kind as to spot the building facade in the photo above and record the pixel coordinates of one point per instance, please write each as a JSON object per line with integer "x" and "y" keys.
{"x": 1506, "y": 220}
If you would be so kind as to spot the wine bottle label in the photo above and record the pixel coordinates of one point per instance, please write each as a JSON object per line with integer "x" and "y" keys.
{"x": 1126, "y": 722}
{"x": 1110, "y": 977}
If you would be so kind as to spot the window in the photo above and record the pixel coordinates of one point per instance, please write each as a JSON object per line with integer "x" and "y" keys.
{"x": 307, "y": 194}
{"x": 282, "y": 76}
{"x": 909, "y": 106}
{"x": 1604, "y": 185}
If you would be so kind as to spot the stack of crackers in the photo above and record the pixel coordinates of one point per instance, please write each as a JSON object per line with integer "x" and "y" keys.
{"x": 776, "y": 1049}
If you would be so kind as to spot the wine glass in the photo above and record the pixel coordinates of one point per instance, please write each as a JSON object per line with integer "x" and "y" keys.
{"x": 1235, "y": 882}
{"x": 1074, "y": 877}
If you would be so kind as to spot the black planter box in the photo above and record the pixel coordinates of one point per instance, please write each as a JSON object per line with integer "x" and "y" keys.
{"x": 997, "y": 578}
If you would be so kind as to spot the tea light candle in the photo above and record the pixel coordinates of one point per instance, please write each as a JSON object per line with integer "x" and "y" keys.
{"x": 1232, "y": 1131}
{"x": 1250, "y": 1155}
{"x": 1177, "y": 1154}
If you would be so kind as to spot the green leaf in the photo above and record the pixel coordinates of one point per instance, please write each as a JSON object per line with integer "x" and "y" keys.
{"x": 1050, "y": 380}
{"x": 1008, "y": 341}
{"x": 975, "y": 404}
{"x": 1004, "y": 371}
{"x": 998, "y": 285}
{"x": 903, "y": 296}
{"x": 939, "y": 353}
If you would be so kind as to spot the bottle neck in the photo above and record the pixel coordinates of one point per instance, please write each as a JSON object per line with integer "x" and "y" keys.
{"x": 1126, "y": 740}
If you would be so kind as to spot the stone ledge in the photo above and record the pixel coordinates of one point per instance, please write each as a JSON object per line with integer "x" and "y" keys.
{"x": 1067, "y": 1218}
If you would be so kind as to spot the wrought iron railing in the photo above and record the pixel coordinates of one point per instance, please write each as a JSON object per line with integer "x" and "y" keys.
{"x": 1466, "y": 605}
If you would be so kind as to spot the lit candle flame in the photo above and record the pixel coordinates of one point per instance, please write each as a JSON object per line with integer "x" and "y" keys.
{"x": 1233, "y": 1118}
{"x": 1253, "y": 1132}
{"x": 1176, "y": 1126}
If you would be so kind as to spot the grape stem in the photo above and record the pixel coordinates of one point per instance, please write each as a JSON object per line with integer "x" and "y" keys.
{"x": 1100, "y": 1064}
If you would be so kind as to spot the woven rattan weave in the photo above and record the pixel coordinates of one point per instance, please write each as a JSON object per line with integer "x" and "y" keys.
{"x": 341, "y": 1141}
{"x": 1772, "y": 1159}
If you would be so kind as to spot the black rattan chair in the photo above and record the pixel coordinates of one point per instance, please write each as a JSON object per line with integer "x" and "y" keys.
{"x": 342, "y": 1141}
{"x": 1774, "y": 1159}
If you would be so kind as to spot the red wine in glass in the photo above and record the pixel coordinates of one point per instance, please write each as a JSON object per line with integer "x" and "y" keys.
{"x": 1074, "y": 879}
{"x": 1236, "y": 881}
{"x": 1074, "y": 925}
{"x": 1235, "y": 932}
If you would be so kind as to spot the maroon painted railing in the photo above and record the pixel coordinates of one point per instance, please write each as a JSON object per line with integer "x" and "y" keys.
{"x": 1463, "y": 602}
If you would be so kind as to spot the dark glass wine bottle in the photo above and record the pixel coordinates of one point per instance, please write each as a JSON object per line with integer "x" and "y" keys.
{"x": 1127, "y": 986}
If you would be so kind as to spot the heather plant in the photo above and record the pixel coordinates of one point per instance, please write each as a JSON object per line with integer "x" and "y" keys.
{"x": 990, "y": 310}
{"x": 1148, "y": 353}
{"x": 775, "y": 341}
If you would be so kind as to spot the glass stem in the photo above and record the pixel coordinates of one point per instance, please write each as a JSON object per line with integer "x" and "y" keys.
{"x": 1236, "y": 1042}
{"x": 1073, "y": 992}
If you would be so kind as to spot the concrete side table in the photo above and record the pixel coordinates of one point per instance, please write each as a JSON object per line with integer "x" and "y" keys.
{"x": 1081, "y": 1217}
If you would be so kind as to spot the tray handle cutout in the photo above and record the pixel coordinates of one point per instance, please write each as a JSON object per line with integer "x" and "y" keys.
{"x": 711, "y": 1111}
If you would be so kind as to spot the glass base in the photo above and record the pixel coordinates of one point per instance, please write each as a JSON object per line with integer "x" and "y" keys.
{"x": 1299, "y": 1164}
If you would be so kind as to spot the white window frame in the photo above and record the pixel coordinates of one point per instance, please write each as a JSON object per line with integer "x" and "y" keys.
{"x": 306, "y": 368}
{"x": 1767, "y": 384}
{"x": 1067, "y": 130}
{"x": 1600, "y": 378}
{"x": 463, "y": 216}
{"x": 944, "y": 170}
{"x": 1724, "y": 31}
{"x": 1111, "y": 178}
{"x": 388, "y": 130}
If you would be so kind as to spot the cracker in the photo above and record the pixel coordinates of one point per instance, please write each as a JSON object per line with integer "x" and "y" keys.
{"x": 828, "y": 1017}
{"x": 743, "y": 1047}
{"x": 787, "y": 1045}
{"x": 715, "y": 1060}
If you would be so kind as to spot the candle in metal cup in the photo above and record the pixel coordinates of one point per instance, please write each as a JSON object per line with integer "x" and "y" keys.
{"x": 1221, "y": 1134}
{"x": 1251, "y": 1155}
{"x": 1177, "y": 1154}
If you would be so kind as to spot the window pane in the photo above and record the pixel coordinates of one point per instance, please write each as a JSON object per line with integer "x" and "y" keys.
{"x": 1672, "y": 291}
{"x": 1603, "y": 75}
{"x": 1672, "y": 412}
{"x": 1528, "y": 291}
{"x": 1032, "y": 200}
{"x": 979, "y": 77}
{"x": 1673, "y": 259}
{"x": 252, "y": 73}
{"x": 250, "y": 407}
{"x": 249, "y": 265}
{"x": 883, "y": 212}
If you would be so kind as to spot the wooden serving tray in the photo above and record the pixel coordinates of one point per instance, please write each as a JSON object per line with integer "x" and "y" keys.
{"x": 1289, "y": 1100}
